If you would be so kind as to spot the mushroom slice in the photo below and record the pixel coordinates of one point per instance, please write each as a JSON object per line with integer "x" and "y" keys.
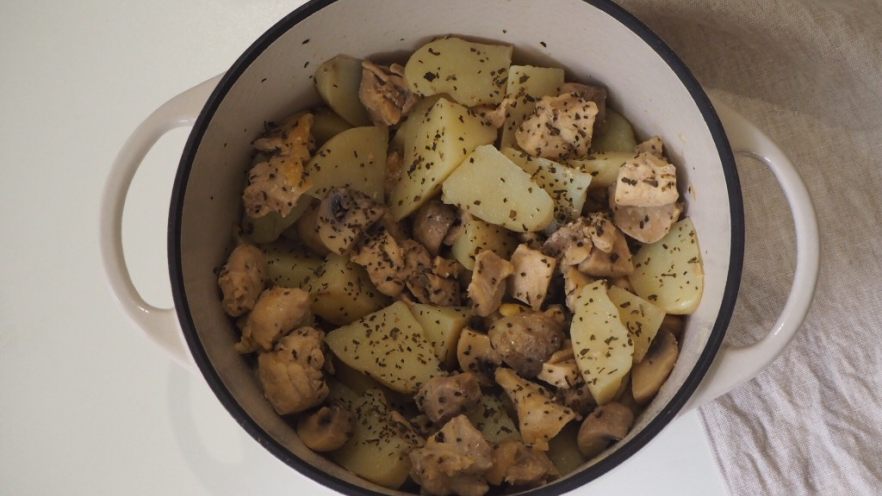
{"x": 532, "y": 274}
{"x": 645, "y": 224}
{"x": 606, "y": 424}
{"x": 517, "y": 465}
{"x": 383, "y": 260}
{"x": 675, "y": 324}
{"x": 291, "y": 374}
{"x": 646, "y": 180}
{"x": 540, "y": 417}
{"x": 384, "y": 93}
{"x": 423, "y": 280}
{"x": 653, "y": 146}
{"x": 616, "y": 263}
{"x": 475, "y": 354}
{"x": 487, "y": 286}
{"x": 560, "y": 127}
{"x": 242, "y": 279}
{"x": 575, "y": 241}
{"x": 431, "y": 223}
{"x": 326, "y": 429}
{"x": 561, "y": 370}
{"x": 649, "y": 375}
{"x": 343, "y": 217}
{"x": 526, "y": 340}
{"x": 442, "y": 398}
{"x": 276, "y": 313}
{"x": 453, "y": 461}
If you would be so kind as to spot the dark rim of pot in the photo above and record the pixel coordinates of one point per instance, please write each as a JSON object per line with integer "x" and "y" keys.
{"x": 621, "y": 454}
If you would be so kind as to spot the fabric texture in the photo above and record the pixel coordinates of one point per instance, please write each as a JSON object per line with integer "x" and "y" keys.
{"x": 809, "y": 73}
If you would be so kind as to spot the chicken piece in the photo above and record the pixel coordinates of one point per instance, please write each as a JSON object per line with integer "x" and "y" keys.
{"x": 573, "y": 282}
{"x": 578, "y": 398}
{"x": 517, "y": 465}
{"x": 344, "y": 216}
{"x": 277, "y": 312}
{"x": 431, "y": 224}
{"x": 653, "y": 146}
{"x": 561, "y": 127}
{"x": 646, "y": 181}
{"x": 383, "y": 260}
{"x": 532, "y": 274}
{"x": 526, "y": 340}
{"x": 561, "y": 370}
{"x": 453, "y": 461}
{"x": 444, "y": 267}
{"x": 426, "y": 285}
{"x": 442, "y": 398}
{"x": 616, "y": 264}
{"x": 292, "y": 139}
{"x": 275, "y": 185}
{"x": 540, "y": 417}
{"x": 384, "y": 93}
{"x": 475, "y": 354}
{"x": 646, "y": 224}
{"x": 594, "y": 244}
{"x": 291, "y": 375}
{"x": 493, "y": 115}
{"x": 488, "y": 283}
{"x": 596, "y": 94}
{"x": 242, "y": 279}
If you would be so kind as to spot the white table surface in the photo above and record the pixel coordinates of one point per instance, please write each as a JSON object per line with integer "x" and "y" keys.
{"x": 88, "y": 405}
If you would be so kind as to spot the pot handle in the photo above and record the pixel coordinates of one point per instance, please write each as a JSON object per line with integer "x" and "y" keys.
{"x": 160, "y": 324}
{"x": 734, "y": 366}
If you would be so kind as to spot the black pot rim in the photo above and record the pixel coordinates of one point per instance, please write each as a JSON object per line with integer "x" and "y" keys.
{"x": 620, "y": 455}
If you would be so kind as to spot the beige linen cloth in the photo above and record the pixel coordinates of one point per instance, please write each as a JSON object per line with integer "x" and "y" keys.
{"x": 809, "y": 73}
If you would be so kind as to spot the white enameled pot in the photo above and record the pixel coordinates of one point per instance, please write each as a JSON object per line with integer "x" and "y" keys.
{"x": 594, "y": 40}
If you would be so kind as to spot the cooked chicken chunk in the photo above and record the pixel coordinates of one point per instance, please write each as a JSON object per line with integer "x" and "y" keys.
{"x": 442, "y": 398}
{"x": 646, "y": 180}
{"x": 518, "y": 465}
{"x": 653, "y": 146}
{"x": 421, "y": 279}
{"x": 475, "y": 354}
{"x": 561, "y": 370}
{"x": 616, "y": 264}
{"x": 596, "y": 94}
{"x": 532, "y": 274}
{"x": 242, "y": 279}
{"x": 493, "y": 114}
{"x": 277, "y": 311}
{"x": 540, "y": 417}
{"x": 445, "y": 267}
{"x": 488, "y": 283}
{"x": 383, "y": 260}
{"x": 526, "y": 340}
{"x": 573, "y": 282}
{"x": 384, "y": 93}
{"x": 344, "y": 216}
{"x": 453, "y": 461}
{"x": 594, "y": 245}
{"x": 292, "y": 139}
{"x": 431, "y": 224}
{"x": 560, "y": 127}
{"x": 291, "y": 375}
{"x": 276, "y": 184}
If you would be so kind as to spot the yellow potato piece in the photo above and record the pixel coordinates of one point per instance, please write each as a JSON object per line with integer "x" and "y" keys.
{"x": 642, "y": 318}
{"x": 337, "y": 81}
{"x": 615, "y": 135}
{"x": 442, "y": 326}
{"x": 342, "y": 291}
{"x": 354, "y": 158}
{"x": 603, "y": 167}
{"x": 567, "y": 186}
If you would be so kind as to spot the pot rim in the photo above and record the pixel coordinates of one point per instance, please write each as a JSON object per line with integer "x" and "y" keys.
{"x": 572, "y": 482}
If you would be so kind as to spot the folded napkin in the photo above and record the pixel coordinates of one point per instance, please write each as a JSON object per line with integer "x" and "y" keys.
{"x": 809, "y": 73}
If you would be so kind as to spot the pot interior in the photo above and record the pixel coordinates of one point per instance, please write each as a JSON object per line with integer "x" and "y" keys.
{"x": 273, "y": 79}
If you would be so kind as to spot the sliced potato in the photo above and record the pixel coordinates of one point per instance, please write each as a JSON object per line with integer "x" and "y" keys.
{"x": 407, "y": 130}
{"x": 563, "y": 450}
{"x": 388, "y": 345}
{"x": 615, "y": 135}
{"x": 441, "y": 326}
{"x": 358, "y": 382}
{"x": 669, "y": 273}
{"x": 326, "y": 124}
{"x": 492, "y": 419}
{"x": 491, "y": 187}
{"x": 525, "y": 85}
{"x": 342, "y": 291}
{"x": 478, "y": 236}
{"x": 471, "y": 73}
{"x": 642, "y": 318}
{"x": 268, "y": 228}
{"x": 306, "y": 230}
{"x": 567, "y": 186}
{"x": 379, "y": 447}
{"x": 603, "y": 167}
{"x": 441, "y": 140}
{"x": 342, "y": 395}
{"x": 289, "y": 267}
{"x": 355, "y": 158}
{"x": 603, "y": 348}
{"x": 337, "y": 81}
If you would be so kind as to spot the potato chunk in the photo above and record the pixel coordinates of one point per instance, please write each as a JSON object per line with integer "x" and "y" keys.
{"x": 615, "y": 135}
{"x": 289, "y": 267}
{"x": 388, "y": 345}
{"x": 518, "y": 203}
{"x": 471, "y": 73}
{"x": 442, "y": 326}
{"x": 354, "y": 158}
{"x": 478, "y": 236}
{"x": 603, "y": 167}
{"x": 642, "y": 318}
{"x": 337, "y": 82}
{"x": 341, "y": 291}
{"x": 567, "y": 186}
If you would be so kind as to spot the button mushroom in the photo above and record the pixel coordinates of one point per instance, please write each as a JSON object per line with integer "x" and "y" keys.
{"x": 242, "y": 279}
{"x": 488, "y": 283}
{"x": 326, "y": 429}
{"x": 475, "y": 354}
{"x": 277, "y": 312}
{"x": 560, "y": 370}
{"x": 526, "y": 340}
{"x": 343, "y": 217}
{"x": 648, "y": 375}
{"x": 532, "y": 274}
{"x": 606, "y": 424}
{"x": 442, "y": 398}
{"x": 540, "y": 417}
{"x": 560, "y": 127}
{"x": 453, "y": 461}
{"x": 645, "y": 224}
{"x": 431, "y": 223}
{"x": 517, "y": 465}
{"x": 594, "y": 245}
{"x": 383, "y": 260}
{"x": 384, "y": 93}
{"x": 291, "y": 374}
